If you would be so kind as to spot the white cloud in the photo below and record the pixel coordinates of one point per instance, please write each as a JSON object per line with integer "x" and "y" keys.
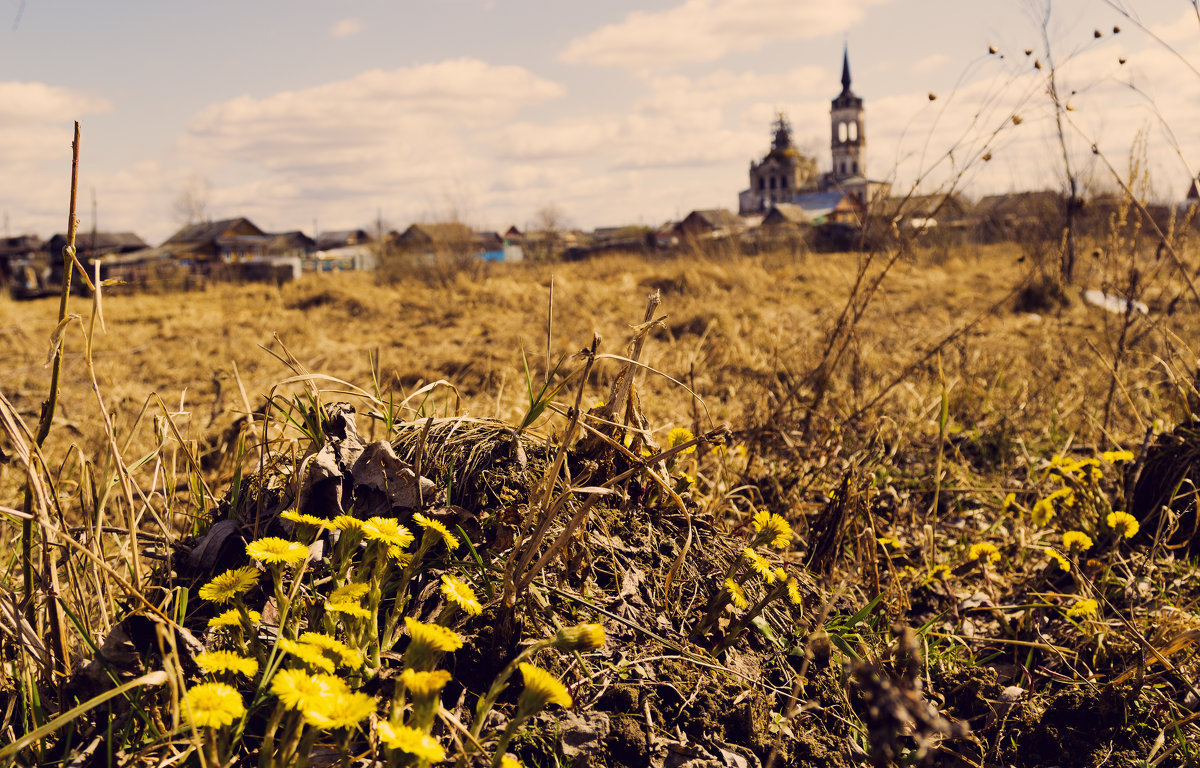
{"x": 345, "y": 28}
{"x": 706, "y": 30}
{"x": 35, "y": 143}
{"x": 379, "y": 137}
{"x": 930, "y": 63}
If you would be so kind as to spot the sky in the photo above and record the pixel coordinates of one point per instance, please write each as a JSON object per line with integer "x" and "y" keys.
{"x": 327, "y": 114}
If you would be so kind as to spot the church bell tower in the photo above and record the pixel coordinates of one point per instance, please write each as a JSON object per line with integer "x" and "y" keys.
{"x": 848, "y": 142}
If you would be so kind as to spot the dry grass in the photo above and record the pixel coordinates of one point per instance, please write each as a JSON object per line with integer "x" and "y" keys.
{"x": 943, "y": 397}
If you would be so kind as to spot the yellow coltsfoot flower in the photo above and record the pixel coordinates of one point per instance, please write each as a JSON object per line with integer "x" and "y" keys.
{"x": 429, "y": 524}
{"x": 300, "y": 690}
{"x": 347, "y": 656}
{"x": 679, "y": 436}
{"x": 541, "y": 688}
{"x": 233, "y": 618}
{"x": 425, "y": 684}
{"x": 1081, "y": 608}
{"x": 411, "y": 740}
{"x": 581, "y": 637}
{"x": 737, "y": 595}
{"x": 984, "y": 551}
{"x": 1123, "y": 523}
{"x": 216, "y": 662}
{"x": 460, "y": 594}
{"x": 772, "y": 528}
{"x": 273, "y": 550}
{"x": 1056, "y": 557}
{"x": 390, "y": 533}
{"x": 1073, "y": 539}
{"x": 229, "y": 585}
{"x": 213, "y": 705}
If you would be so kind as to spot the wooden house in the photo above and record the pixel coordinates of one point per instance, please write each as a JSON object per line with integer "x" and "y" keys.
{"x": 228, "y": 240}
{"x": 327, "y": 241}
{"x": 711, "y": 223}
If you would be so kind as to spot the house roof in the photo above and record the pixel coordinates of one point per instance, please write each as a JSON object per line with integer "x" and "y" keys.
{"x": 817, "y": 204}
{"x": 20, "y": 245}
{"x": 287, "y": 240}
{"x": 716, "y": 217}
{"x": 936, "y": 205}
{"x": 101, "y": 241}
{"x": 1016, "y": 201}
{"x": 438, "y": 232}
{"x": 339, "y": 237}
{"x": 787, "y": 212}
{"x": 207, "y": 233}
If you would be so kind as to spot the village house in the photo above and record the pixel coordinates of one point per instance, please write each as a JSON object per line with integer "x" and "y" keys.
{"x": 18, "y": 250}
{"x": 924, "y": 211}
{"x": 712, "y": 224}
{"x": 327, "y": 241}
{"x": 224, "y": 241}
{"x": 94, "y": 245}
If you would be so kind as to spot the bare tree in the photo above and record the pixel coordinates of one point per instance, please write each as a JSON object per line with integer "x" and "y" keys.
{"x": 191, "y": 204}
{"x": 550, "y": 222}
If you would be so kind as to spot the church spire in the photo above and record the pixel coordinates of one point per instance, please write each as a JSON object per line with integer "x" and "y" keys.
{"x": 845, "y": 68}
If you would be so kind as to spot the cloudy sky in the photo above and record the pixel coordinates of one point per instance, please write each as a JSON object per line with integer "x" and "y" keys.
{"x": 327, "y": 111}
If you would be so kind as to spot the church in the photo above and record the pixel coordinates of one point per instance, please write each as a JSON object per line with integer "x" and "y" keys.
{"x": 785, "y": 176}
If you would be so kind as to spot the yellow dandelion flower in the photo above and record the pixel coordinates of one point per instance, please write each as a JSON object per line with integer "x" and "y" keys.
{"x": 436, "y": 526}
{"x": 1082, "y": 608}
{"x": 1073, "y": 539}
{"x": 1042, "y": 512}
{"x": 461, "y": 595}
{"x": 1063, "y": 563}
{"x": 541, "y": 688}
{"x": 793, "y": 590}
{"x": 229, "y": 585}
{"x": 1116, "y": 457}
{"x": 759, "y": 565}
{"x": 215, "y": 662}
{"x": 737, "y": 595}
{"x": 272, "y": 550}
{"x": 508, "y": 761}
{"x": 348, "y": 608}
{"x": 1010, "y": 501}
{"x": 581, "y": 637}
{"x": 422, "y": 685}
{"x": 431, "y": 636}
{"x": 340, "y": 709}
{"x": 348, "y": 523}
{"x": 309, "y": 654}
{"x": 985, "y": 551}
{"x": 213, "y": 705}
{"x": 303, "y": 518}
{"x": 348, "y": 656}
{"x": 679, "y": 436}
{"x": 411, "y": 740}
{"x": 302, "y": 691}
{"x": 232, "y": 618}
{"x": 888, "y": 541}
{"x": 686, "y": 479}
{"x": 1123, "y": 521}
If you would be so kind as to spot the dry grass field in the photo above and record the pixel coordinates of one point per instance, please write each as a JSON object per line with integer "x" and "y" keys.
{"x": 824, "y": 526}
